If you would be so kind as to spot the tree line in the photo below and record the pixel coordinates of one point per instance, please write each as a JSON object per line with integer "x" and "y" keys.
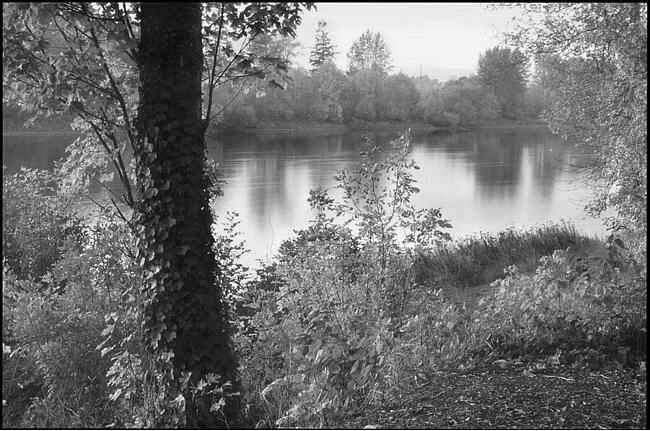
{"x": 368, "y": 92}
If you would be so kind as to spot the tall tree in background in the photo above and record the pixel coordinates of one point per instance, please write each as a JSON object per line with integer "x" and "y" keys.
{"x": 370, "y": 51}
{"x": 503, "y": 71}
{"x": 323, "y": 49}
{"x": 595, "y": 63}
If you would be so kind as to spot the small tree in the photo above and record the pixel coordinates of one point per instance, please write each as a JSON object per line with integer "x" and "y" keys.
{"x": 323, "y": 49}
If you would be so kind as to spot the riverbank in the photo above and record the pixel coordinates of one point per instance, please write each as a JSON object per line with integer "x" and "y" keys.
{"x": 319, "y": 128}
{"x": 13, "y": 124}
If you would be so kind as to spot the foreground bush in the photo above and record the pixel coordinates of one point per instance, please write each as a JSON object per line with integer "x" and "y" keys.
{"x": 355, "y": 309}
{"x": 567, "y": 304}
{"x": 59, "y": 327}
{"x": 353, "y": 313}
{"x": 325, "y": 315}
{"x": 36, "y": 221}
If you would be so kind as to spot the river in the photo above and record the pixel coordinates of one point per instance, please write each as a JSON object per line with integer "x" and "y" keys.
{"x": 483, "y": 180}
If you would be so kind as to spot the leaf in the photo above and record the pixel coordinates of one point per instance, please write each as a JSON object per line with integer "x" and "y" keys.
{"x": 108, "y": 330}
{"x": 107, "y": 350}
{"x": 319, "y": 356}
{"x": 115, "y": 395}
{"x": 273, "y": 384}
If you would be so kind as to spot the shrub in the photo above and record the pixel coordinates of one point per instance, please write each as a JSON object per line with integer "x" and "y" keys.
{"x": 320, "y": 336}
{"x": 59, "y": 328}
{"x": 36, "y": 221}
{"x": 569, "y": 302}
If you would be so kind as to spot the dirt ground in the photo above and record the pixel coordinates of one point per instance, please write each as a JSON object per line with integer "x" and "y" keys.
{"x": 517, "y": 396}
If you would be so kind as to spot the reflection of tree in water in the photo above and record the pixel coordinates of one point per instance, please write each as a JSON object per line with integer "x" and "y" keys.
{"x": 267, "y": 162}
{"x": 498, "y": 159}
{"x": 548, "y": 161}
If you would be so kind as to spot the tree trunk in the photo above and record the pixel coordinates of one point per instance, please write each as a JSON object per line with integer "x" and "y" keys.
{"x": 185, "y": 320}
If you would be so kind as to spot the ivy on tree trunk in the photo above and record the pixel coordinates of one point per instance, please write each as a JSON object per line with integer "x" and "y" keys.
{"x": 185, "y": 321}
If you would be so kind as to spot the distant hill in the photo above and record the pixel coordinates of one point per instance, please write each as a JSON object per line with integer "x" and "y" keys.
{"x": 442, "y": 74}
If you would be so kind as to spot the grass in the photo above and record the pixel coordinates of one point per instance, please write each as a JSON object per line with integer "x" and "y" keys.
{"x": 481, "y": 259}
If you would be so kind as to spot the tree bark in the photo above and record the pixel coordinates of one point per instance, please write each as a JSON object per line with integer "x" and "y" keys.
{"x": 185, "y": 318}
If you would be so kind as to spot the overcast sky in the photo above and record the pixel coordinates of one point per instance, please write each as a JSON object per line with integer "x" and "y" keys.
{"x": 444, "y": 38}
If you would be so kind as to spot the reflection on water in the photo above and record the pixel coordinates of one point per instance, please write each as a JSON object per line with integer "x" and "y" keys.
{"x": 483, "y": 180}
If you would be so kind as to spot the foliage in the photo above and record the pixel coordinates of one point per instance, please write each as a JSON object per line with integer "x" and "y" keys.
{"x": 72, "y": 342}
{"x": 36, "y": 222}
{"x": 581, "y": 304}
{"x": 323, "y": 51}
{"x": 58, "y": 327}
{"x": 463, "y": 101}
{"x": 363, "y": 97}
{"x": 81, "y": 60}
{"x": 240, "y": 117}
{"x": 594, "y": 59}
{"x": 398, "y": 99}
{"x": 370, "y": 51}
{"x": 503, "y": 71}
{"x": 571, "y": 302}
{"x": 536, "y": 100}
{"x": 330, "y": 87}
{"x": 482, "y": 258}
{"x": 320, "y": 329}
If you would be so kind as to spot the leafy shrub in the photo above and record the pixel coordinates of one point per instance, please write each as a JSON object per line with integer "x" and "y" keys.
{"x": 321, "y": 333}
{"x": 60, "y": 327}
{"x": 570, "y": 301}
{"x": 36, "y": 221}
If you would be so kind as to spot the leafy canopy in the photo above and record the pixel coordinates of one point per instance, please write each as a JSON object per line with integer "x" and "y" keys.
{"x": 370, "y": 51}
{"x": 593, "y": 58}
{"x": 81, "y": 59}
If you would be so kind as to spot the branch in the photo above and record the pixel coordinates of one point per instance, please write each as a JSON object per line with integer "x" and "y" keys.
{"x": 116, "y": 89}
{"x": 108, "y": 189}
{"x": 213, "y": 84}
{"x": 119, "y": 168}
{"x": 228, "y": 104}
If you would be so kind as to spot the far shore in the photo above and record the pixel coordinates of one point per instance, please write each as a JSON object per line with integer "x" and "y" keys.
{"x": 299, "y": 127}
{"x": 292, "y": 127}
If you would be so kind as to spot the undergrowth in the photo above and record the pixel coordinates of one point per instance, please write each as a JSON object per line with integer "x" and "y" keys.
{"x": 354, "y": 309}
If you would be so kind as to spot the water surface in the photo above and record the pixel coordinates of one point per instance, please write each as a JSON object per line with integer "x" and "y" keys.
{"x": 483, "y": 180}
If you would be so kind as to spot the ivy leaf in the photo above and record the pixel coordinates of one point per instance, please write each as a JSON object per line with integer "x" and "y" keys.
{"x": 115, "y": 395}
{"x": 107, "y": 350}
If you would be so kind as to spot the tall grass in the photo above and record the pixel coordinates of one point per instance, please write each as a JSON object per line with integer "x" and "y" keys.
{"x": 482, "y": 259}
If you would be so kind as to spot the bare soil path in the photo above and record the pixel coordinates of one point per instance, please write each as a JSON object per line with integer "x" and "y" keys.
{"x": 558, "y": 397}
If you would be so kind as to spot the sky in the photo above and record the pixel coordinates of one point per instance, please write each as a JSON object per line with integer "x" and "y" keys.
{"x": 445, "y": 39}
